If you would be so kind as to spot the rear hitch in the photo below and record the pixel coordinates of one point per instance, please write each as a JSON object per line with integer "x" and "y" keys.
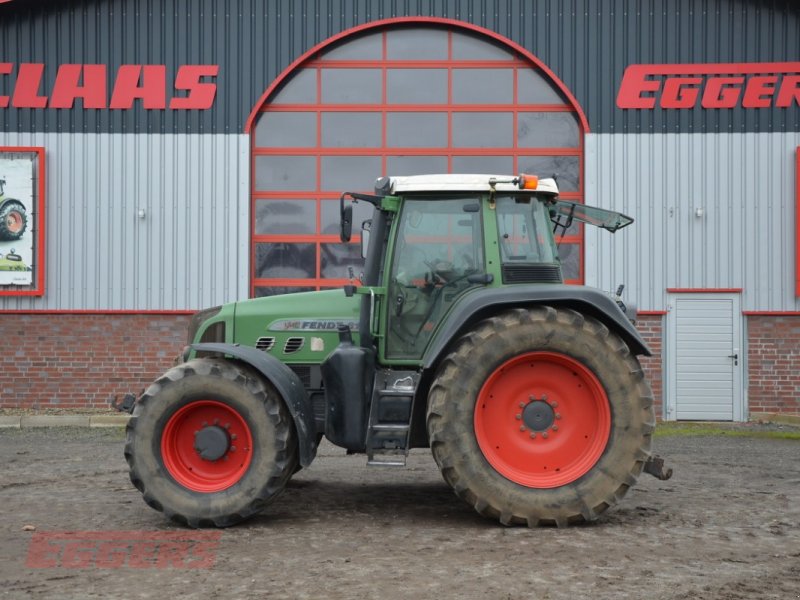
{"x": 655, "y": 467}
{"x": 126, "y": 406}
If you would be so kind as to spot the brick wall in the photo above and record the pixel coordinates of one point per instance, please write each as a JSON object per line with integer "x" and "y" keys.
{"x": 651, "y": 329}
{"x": 773, "y": 364}
{"x": 82, "y": 361}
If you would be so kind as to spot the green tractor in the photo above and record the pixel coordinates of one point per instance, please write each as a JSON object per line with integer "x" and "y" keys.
{"x": 460, "y": 336}
{"x": 13, "y": 217}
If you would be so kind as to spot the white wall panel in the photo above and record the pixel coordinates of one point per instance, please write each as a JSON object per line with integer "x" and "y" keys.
{"x": 189, "y": 251}
{"x": 743, "y": 182}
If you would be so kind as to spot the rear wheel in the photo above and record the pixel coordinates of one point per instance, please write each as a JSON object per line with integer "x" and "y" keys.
{"x": 540, "y": 416}
{"x": 210, "y": 444}
{"x": 13, "y": 221}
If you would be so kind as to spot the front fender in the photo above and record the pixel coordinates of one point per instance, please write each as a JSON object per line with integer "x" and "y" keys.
{"x": 484, "y": 302}
{"x": 288, "y": 385}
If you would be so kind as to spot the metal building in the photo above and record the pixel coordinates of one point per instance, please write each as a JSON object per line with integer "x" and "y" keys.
{"x": 179, "y": 154}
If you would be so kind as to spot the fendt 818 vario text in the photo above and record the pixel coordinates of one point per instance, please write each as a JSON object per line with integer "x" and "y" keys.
{"x": 459, "y": 335}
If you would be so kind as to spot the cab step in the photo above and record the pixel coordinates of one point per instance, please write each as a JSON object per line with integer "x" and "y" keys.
{"x": 390, "y": 415}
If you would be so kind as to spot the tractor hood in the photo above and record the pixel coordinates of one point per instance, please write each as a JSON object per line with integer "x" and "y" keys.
{"x": 295, "y": 328}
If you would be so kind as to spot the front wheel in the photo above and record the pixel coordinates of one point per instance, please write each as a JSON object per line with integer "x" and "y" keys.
{"x": 210, "y": 444}
{"x": 540, "y": 416}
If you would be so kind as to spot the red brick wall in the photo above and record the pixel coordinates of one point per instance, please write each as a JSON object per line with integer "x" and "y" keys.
{"x": 773, "y": 367}
{"x": 82, "y": 361}
{"x": 651, "y": 329}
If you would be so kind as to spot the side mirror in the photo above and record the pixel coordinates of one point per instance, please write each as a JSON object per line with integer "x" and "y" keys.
{"x": 346, "y": 224}
{"x": 365, "y": 229}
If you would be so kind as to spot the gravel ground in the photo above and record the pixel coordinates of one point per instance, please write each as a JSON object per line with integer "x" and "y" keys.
{"x": 727, "y": 525}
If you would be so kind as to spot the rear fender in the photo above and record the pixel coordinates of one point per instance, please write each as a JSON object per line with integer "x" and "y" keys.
{"x": 288, "y": 385}
{"x": 485, "y": 302}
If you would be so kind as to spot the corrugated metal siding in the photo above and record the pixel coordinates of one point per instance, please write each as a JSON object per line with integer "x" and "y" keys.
{"x": 191, "y": 249}
{"x": 587, "y": 43}
{"x": 745, "y": 184}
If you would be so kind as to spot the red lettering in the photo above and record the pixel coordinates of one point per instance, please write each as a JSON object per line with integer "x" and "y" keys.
{"x": 5, "y": 69}
{"x": 205, "y": 553}
{"x": 26, "y": 92}
{"x": 152, "y": 91}
{"x": 718, "y": 96}
{"x": 78, "y": 554}
{"x": 143, "y": 555}
{"x": 790, "y": 90}
{"x": 112, "y": 555}
{"x": 758, "y": 87}
{"x": 634, "y": 84}
{"x": 67, "y": 86}
{"x": 43, "y": 553}
{"x": 200, "y": 95}
{"x": 678, "y": 93}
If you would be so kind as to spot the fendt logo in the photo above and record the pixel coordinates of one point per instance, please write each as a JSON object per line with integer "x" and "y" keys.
{"x": 723, "y": 85}
{"x": 147, "y": 83}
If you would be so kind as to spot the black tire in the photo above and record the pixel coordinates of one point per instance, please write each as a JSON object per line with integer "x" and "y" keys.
{"x": 13, "y": 221}
{"x": 483, "y": 352}
{"x": 233, "y": 388}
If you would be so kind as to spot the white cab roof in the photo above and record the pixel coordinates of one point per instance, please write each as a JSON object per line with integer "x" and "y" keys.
{"x": 463, "y": 183}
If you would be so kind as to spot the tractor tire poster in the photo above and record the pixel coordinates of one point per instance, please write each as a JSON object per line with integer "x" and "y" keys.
{"x": 20, "y": 207}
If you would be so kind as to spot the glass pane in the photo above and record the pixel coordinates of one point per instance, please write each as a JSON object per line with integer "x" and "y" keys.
{"x": 483, "y": 130}
{"x": 566, "y": 169}
{"x": 351, "y": 86}
{"x": 599, "y": 217}
{"x": 493, "y": 165}
{"x": 416, "y": 130}
{"x": 351, "y": 130}
{"x": 523, "y": 226}
{"x": 330, "y": 216}
{"x": 416, "y": 86}
{"x": 570, "y": 260}
{"x": 282, "y": 173}
{"x": 483, "y": 86}
{"x": 415, "y": 165}
{"x": 300, "y": 89}
{"x": 350, "y": 173}
{"x": 471, "y": 47}
{"x": 286, "y": 129}
{"x": 438, "y": 246}
{"x": 285, "y": 217}
{"x": 279, "y": 290}
{"x": 279, "y": 260}
{"x": 334, "y": 260}
{"x": 367, "y": 47}
{"x": 533, "y": 88}
{"x": 547, "y": 130}
{"x": 416, "y": 44}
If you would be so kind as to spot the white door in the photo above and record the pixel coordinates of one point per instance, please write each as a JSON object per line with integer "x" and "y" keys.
{"x": 704, "y": 354}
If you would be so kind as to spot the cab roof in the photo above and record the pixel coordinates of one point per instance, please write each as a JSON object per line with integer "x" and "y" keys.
{"x": 459, "y": 183}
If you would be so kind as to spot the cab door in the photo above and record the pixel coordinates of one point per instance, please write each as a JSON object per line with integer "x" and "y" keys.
{"x": 438, "y": 245}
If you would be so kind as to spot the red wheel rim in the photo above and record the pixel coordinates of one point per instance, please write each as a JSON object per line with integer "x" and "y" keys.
{"x": 14, "y": 222}
{"x": 513, "y": 410}
{"x": 184, "y": 462}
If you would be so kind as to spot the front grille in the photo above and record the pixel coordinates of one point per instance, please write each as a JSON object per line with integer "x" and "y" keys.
{"x": 304, "y": 373}
{"x": 214, "y": 333}
{"x": 293, "y": 344}
{"x": 528, "y": 273}
{"x": 265, "y": 343}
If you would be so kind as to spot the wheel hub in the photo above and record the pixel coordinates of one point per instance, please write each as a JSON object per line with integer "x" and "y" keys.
{"x": 211, "y": 442}
{"x": 538, "y": 415}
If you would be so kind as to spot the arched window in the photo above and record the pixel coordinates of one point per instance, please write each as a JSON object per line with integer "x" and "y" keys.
{"x": 397, "y": 99}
